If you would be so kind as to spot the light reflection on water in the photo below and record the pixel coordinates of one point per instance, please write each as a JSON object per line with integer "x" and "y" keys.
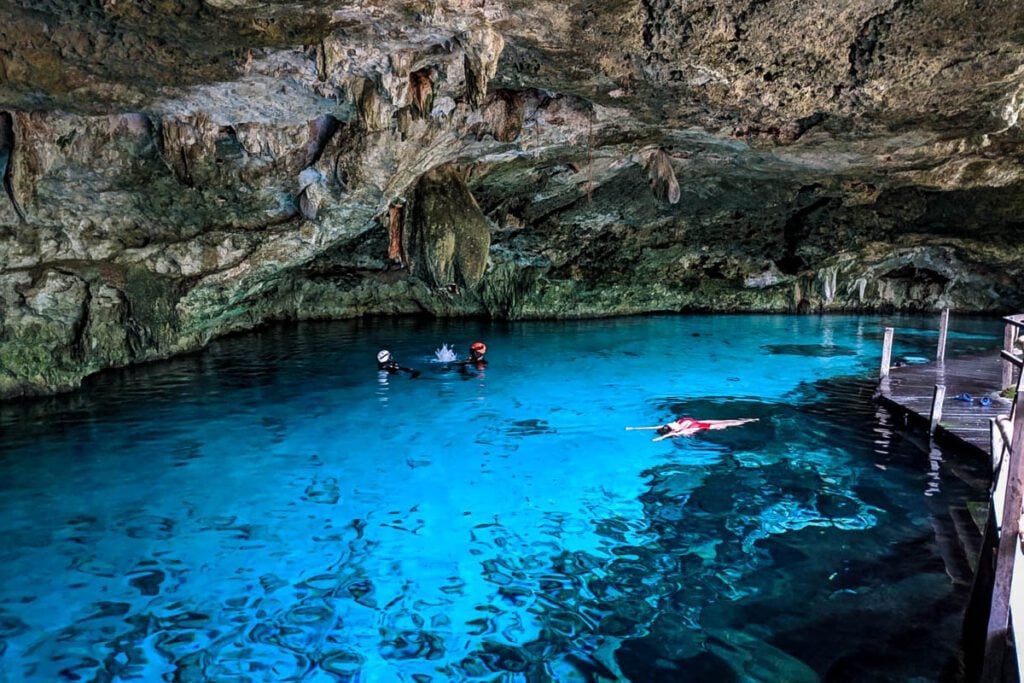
{"x": 273, "y": 509}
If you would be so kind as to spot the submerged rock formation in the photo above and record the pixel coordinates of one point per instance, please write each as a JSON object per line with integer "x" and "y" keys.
{"x": 176, "y": 170}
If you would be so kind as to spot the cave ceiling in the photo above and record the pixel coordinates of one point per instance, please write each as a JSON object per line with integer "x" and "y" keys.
{"x": 187, "y": 168}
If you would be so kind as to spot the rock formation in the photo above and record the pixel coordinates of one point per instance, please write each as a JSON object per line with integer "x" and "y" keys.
{"x": 447, "y": 232}
{"x": 177, "y": 169}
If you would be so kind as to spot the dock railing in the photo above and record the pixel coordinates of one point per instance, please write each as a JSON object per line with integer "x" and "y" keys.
{"x": 1010, "y": 355}
{"x": 1007, "y": 437}
{"x": 1011, "y": 333}
{"x": 997, "y": 598}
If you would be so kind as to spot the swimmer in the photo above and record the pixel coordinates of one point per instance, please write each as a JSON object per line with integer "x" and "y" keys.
{"x": 387, "y": 363}
{"x": 687, "y": 426}
{"x": 476, "y": 356}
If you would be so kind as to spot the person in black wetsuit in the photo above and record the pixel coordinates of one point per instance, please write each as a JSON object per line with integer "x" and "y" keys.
{"x": 475, "y": 364}
{"x": 476, "y": 356}
{"x": 387, "y": 363}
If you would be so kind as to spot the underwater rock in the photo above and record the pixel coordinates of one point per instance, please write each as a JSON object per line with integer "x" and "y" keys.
{"x": 755, "y": 659}
{"x": 812, "y": 350}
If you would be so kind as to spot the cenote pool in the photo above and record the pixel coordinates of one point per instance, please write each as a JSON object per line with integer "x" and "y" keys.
{"x": 273, "y": 510}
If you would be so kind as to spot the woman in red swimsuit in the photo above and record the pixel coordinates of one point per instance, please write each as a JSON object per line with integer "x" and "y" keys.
{"x": 687, "y": 426}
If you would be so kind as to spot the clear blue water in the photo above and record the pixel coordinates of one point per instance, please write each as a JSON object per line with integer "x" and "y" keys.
{"x": 272, "y": 509}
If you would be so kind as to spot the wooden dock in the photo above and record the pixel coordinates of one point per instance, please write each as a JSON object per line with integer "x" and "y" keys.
{"x": 912, "y": 389}
{"x": 933, "y": 393}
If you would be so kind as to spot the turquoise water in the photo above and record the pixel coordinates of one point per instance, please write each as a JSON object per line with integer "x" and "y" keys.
{"x": 273, "y": 509}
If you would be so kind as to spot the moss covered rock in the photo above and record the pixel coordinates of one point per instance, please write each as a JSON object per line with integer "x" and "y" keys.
{"x": 447, "y": 235}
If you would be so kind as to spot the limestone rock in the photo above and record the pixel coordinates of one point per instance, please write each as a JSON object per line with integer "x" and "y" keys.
{"x": 448, "y": 236}
{"x": 662, "y": 177}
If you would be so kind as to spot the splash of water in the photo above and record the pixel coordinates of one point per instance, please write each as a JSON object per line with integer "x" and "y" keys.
{"x": 445, "y": 354}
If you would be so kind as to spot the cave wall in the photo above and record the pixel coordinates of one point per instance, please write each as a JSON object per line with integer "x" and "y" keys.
{"x": 174, "y": 170}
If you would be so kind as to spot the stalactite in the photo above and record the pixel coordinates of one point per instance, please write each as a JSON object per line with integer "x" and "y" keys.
{"x": 662, "y": 177}
{"x": 374, "y": 112}
{"x": 421, "y": 91}
{"x": 310, "y": 192}
{"x": 828, "y": 278}
{"x": 503, "y": 116}
{"x": 395, "y": 252}
{"x": 482, "y": 50}
{"x": 448, "y": 235}
{"x": 7, "y": 160}
{"x": 590, "y": 159}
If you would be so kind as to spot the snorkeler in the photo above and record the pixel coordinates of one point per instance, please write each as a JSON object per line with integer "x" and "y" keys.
{"x": 476, "y": 363}
{"x": 387, "y": 363}
{"x": 476, "y": 356}
{"x": 687, "y": 426}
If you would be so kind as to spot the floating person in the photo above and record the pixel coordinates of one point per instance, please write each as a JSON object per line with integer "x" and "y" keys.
{"x": 687, "y": 426}
{"x": 387, "y": 363}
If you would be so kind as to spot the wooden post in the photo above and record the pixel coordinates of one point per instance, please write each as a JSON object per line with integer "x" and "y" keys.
{"x": 994, "y": 442}
{"x": 1009, "y": 336}
{"x": 1017, "y": 391}
{"x": 886, "y": 353}
{"x": 999, "y": 614}
{"x": 940, "y": 353}
{"x": 938, "y": 396}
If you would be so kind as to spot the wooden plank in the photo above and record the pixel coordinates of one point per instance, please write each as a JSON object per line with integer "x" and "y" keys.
{"x": 940, "y": 352}
{"x": 999, "y": 614}
{"x": 912, "y": 388}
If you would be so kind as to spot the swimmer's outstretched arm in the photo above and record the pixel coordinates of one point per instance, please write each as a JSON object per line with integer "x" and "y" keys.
{"x": 689, "y": 431}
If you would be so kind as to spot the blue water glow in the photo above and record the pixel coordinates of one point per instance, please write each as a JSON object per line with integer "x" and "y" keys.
{"x": 275, "y": 509}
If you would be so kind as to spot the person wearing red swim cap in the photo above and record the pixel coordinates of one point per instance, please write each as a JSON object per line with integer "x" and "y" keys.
{"x": 476, "y": 357}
